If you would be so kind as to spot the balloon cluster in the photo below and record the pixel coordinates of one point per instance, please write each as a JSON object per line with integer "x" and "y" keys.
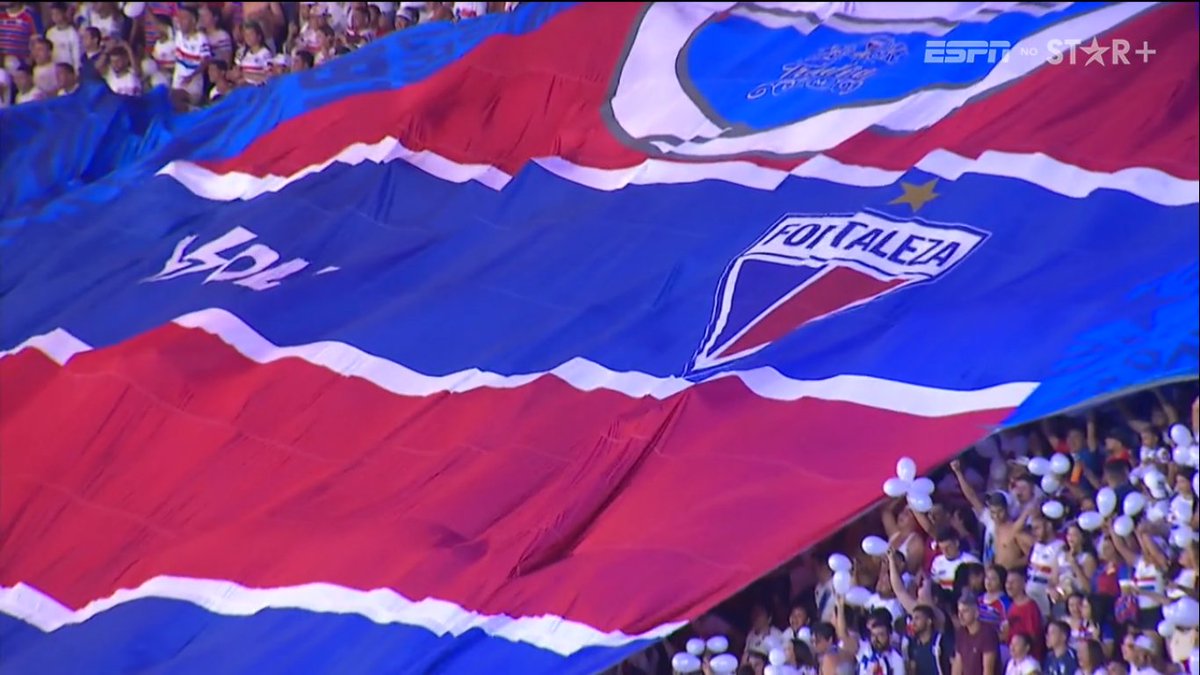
{"x": 1183, "y": 613}
{"x": 1051, "y": 472}
{"x": 843, "y": 580}
{"x": 919, "y": 491}
{"x": 690, "y": 661}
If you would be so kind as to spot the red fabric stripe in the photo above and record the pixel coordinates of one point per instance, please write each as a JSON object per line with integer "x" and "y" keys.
{"x": 539, "y": 94}
{"x": 837, "y": 288}
{"x": 173, "y": 454}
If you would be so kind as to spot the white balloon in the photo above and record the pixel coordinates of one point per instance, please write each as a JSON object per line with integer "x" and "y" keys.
{"x": 920, "y": 503}
{"x": 1186, "y": 612}
{"x": 1182, "y": 537}
{"x": 895, "y": 487}
{"x": 1157, "y": 512}
{"x": 1180, "y": 455}
{"x": 906, "y": 469}
{"x": 804, "y": 634}
{"x": 1106, "y": 501}
{"x": 1090, "y": 521}
{"x": 1039, "y": 466}
{"x": 1060, "y": 464}
{"x": 839, "y": 563}
{"x": 717, "y": 644}
{"x": 723, "y": 663}
{"x": 922, "y": 486}
{"x": 1180, "y": 435}
{"x": 684, "y": 662}
{"x": 874, "y": 546}
{"x": 776, "y": 657}
{"x": 1123, "y": 526}
{"x": 770, "y": 669}
{"x": 1053, "y": 510}
{"x": 1050, "y": 484}
{"x": 695, "y": 646}
{"x": 842, "y": 582}
{"x": 858, "y": 597}
{"x": 1134, "y": 503}
{"x": 1166, "y": 628}
{"x": 1181, "y": 510}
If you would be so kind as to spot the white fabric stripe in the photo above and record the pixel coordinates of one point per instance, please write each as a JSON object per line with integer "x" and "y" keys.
{"x": 58, "y": 344}
{"x": 579, "y": 373}
{"x": 381, "y": 606}
{"x": 1072, "y": 181}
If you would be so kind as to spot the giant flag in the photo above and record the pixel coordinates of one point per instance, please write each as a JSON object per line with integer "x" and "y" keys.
{"x": 512, "y": 346}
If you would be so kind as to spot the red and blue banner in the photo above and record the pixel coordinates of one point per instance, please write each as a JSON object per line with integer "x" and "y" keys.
{"x": 514, "y": 345}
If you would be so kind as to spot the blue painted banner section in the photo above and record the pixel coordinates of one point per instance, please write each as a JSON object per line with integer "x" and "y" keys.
{"x": 179, "y": 638}
{"x": 96, "y": 134}
{"x": 778, "y": 74}
{"x": 443, "y": 277}
{"x": 1161, "y": 343}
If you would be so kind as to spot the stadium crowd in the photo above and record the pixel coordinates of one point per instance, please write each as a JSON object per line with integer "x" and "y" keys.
{"x": 1065, "y": 548}
{"x": 200, "y": 50}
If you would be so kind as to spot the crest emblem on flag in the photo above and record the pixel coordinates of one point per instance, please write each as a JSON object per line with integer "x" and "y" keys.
{"x": 808, "y": 267}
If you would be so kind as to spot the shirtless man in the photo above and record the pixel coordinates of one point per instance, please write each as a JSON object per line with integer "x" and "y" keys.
{"x": 1001, "y": 533}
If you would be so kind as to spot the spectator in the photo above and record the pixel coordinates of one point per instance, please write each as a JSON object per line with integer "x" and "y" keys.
{"x": 761, "y": 631}
{"x": 44, "y": 75}
{"x": 18, "y": 24}
{"x": 1021, "y": 661}
{"x": 976, "y": 645}
{"x": 994, "y": 603}
{"x": 254, "y": 59}
{"x": 798, "y": 618}
{"x": 1024, "y": 616}
{"x": 1091, "y": 658}
{"x": 218, "y": 74}
{"x": 68, "y": 80}
{"x": 68, "y": 44}
{"x": 302, "y": 60}
{"x": 469, "y": 10}
{"x": 359, "y": 30}
{"x": 930, "y": 650}
{"x": 93, "y": 50}
{"x": 157, "y": 19}
{"x": 192, "y": 53}
{"x": 405, "y": 18}
{"x": 326, "y": 46}
{"x": 218, "y": 39}
{"x": 1045, "y": 552}
{"x": 27, "y": 91}
{"x": 946, "y": 563}
{"x": 163, "y": 50}
{"x": 1145, "y": 657}
{"x": 876, "y": 655}
{"x": 6, "y": 89}
{"x": 1060, "y": 658}
{"x": 106, "y": 18}
{"x": 121, "y": 77}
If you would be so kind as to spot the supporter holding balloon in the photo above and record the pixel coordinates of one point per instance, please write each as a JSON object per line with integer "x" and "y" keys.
{"x": 68, "y": 44}
{"x": 1060, "y": 659}
{"x": 798, "y": 620}
{"x": 192, "y": 54}
{"x": 976, "y": 645}
{"x": 904, "y": 534}
{"x": 761, "y": 631}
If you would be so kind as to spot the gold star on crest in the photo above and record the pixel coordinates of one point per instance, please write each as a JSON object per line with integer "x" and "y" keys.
{"x": 916, "y": 196}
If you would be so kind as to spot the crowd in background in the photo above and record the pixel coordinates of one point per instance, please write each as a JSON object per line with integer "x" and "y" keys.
{"x": 200, "y": 50}
{"x": 1065, "y": 548}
